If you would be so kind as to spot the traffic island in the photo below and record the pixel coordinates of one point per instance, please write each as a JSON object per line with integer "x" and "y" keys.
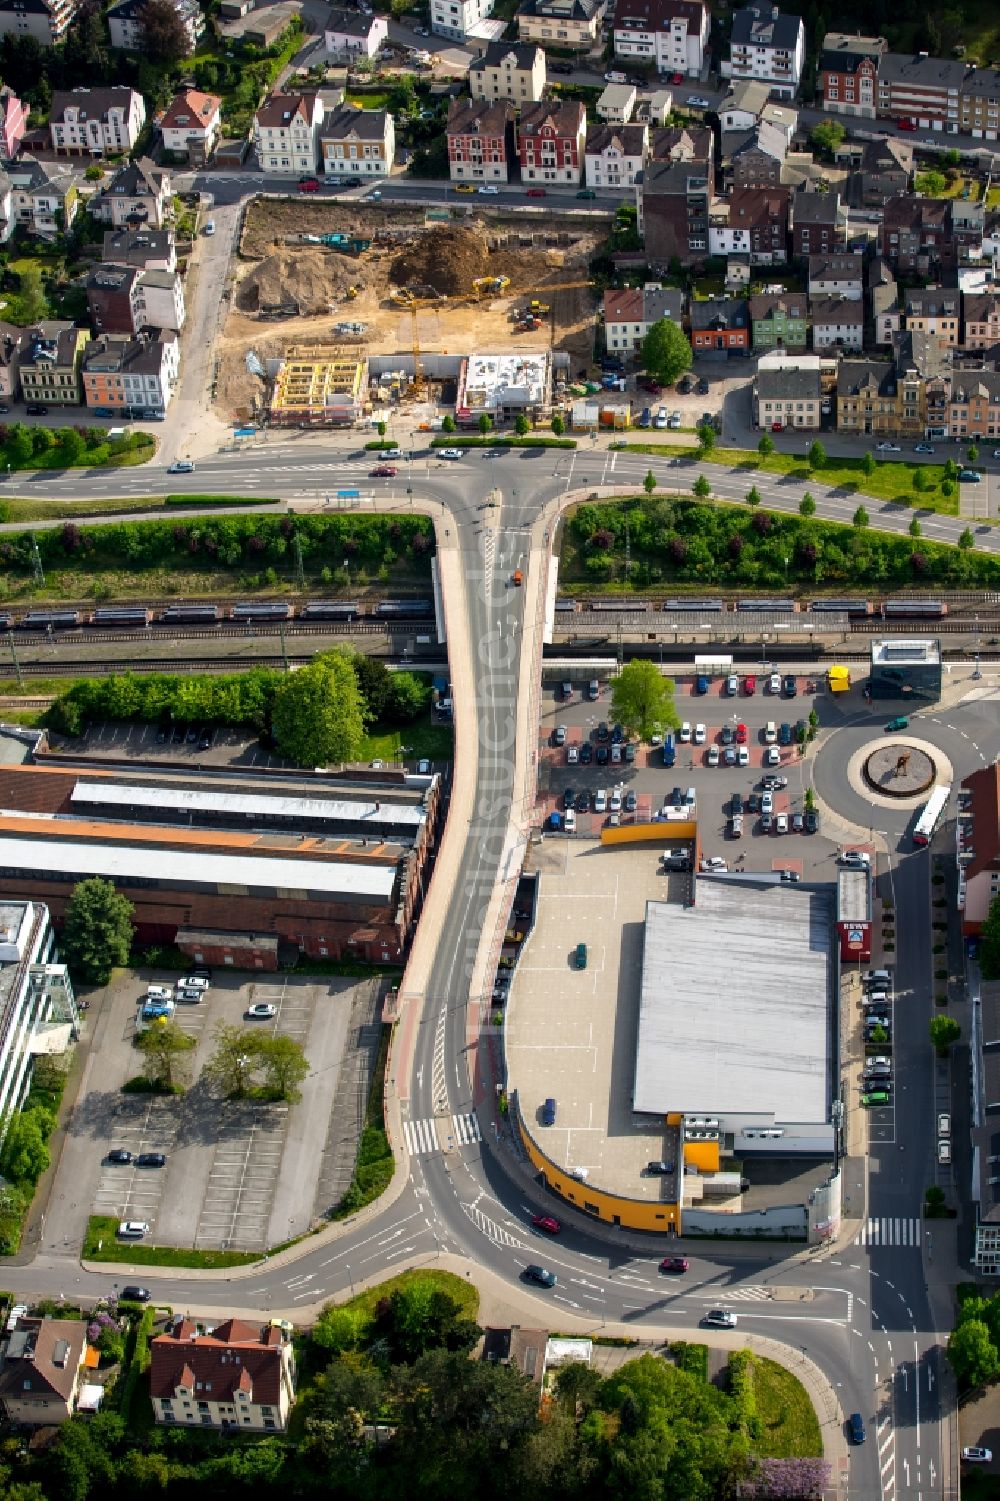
{"x": 899, "y": 770}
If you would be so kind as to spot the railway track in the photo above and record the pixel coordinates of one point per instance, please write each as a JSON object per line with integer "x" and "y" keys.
{"x": 222, "y": 632}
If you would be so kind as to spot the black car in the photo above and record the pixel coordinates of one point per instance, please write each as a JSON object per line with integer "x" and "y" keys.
{"x": 728, "y": 734}
{"x": 121, "y": 1156}
{"x": 205, "y": 740}
{"x": 583, "y": 801}
{"x": 701, "y": 388}
{"x": 558, "y": 67}
{"x": 151, "y": 1159}
{"x": 569, "y": 797}
{"x": 659, "y": 1169}
{"x": 790, "y": 686}
{"x": 753, "y": 802}
{"x": 603, "y": 755}
{"x": 812, "y": 821}
{"x": 618, "y": 734}
{"x": 586, "y": 753}
{"x": 685, "y": 384}
{"x": 603, "y": 733}
{"x": 4, "y": 407}
{"x": 785, "y": 734}
{"x": 736, "y": 803}
{"x": 540, "y": 1274}
{"x": 766, "y": 823}
{"x": 132, "y": 1293}
{"x": 37, "y": 411}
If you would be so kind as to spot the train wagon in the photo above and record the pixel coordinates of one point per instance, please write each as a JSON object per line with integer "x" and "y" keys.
{"x": 918, "y": 609}
{"x": 330, "y": 609}
{"x": 767, "y": 606}
{"x": 619, "y": 606}
{"x": 404, "y": 609}
{"x": 694, "y": 606}
{"x": 841, "y": 606}
{"x": 565, "y": 606}
{"x": 44, "y": 620}
{"x": 261, "y": 609}
{"x": 190, "y": 615}
{"x": 125, "y": 615}
{"x": 6, "y": 620}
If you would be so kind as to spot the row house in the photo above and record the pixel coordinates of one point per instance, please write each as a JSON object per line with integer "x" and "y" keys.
{"x": 49, "y": 364}
{"x": 131, "y": 375}
{"x": 616, "y": 106}
{"x": 357, "y": 143}
{"x": 235, "y": 1376}
{"x": 839, "y": 275}
{"x": 13, "y": 124}
{"x": 44, "y": 196}
{"x": 551, "y": 140}
{"x": 127, "y": 299}
{"x": 675, "y": 195}
{"x": 125, "y": 24}
{"x": 816, "y": 223}
{"x": 46, "y": 21}
{"x": 974, "y": 404}
{"x": 96, "y": 121}
{"x": 139, "y": 194}
{"x": 915, "y": 235}
{"x": 744, "y": 105}
{"x": 721, "y": 324}
{"x": 763, "y": 212}
{"x": 787, "y": 397}
{"x": 630, "y": 313}
{"x": 570, "y": 25}
{"x": 848, "y": 73}
{"x": 190, "y": 125}
{"x": 921, "y": 89}
{"x": 8, "y": 217}
{"x": 286, "y": 133}
{"x": 883, "y": 299}
{"x": 979, "y": 104}
{"x": 936, "y": 311}
{"x": 460, "y": 19}
{"x": 513, "y": 71}
{"x": 779, "y": 320}
{"x": 755, "y": 158}
{"x": 879, "y": 399}
{"x": 768, "y": 44}
{"x": 480, "y": 141}
{"x": 348, "y": 35}
{"x": 838, "y": 323}
{"x": 615, "y": 155}
{"x": 980, "y": 320}
{"x": 149, "y": 249}
{"x": 882, "y": 169}
{"x": 670, "y": 34}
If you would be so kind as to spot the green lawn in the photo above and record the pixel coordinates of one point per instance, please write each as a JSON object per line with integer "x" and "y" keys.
{"x": 464, "y": 1292}
{"x": 791, "y": 1427}
{"x": 20, "y": 508}
{"x": 435, "y": 741}
{"x": 370, "y": 98}
{"x": 102, "y": 1244}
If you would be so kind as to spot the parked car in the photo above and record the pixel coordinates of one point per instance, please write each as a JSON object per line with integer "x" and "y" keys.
{"x": 975, "y": 1454}
{"x": 308, "y": 184}
{"x": 260, "y": 1011}
{"x": 132, "y": 1230}
{"x": 120, "y": 1157}
{"x": 536, "y": 192}
{"x": 34, "y": 410}
{"x": 659, "y": 1169}
{"x": 923, "y": 448}
{"x": 490, "y": 189}
{"x": 133, "y": 1293}
{"x": 580, "y": 957}
{"x": 151, "y": 1159}
{"x": 967, "y": 476}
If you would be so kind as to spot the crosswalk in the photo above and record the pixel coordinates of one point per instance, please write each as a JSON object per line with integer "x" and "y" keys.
{"x": 422, "y": 1136}
{"x": 743, "y": 1295}
{"x": 890, "y": 1231}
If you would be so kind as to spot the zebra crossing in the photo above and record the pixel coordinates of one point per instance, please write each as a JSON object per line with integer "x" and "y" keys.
{"x": 422, "y": 1136}
{"x": 886, "y": 1230}
{"x": 743, "y": 1295}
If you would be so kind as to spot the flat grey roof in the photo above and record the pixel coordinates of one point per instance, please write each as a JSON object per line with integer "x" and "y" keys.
{"x": 895, "y": 651}
{"x": 853, "y": 891}
{"x": 734, "y": 1010}
{"x": 154, "y": 863}
{"x": 375, "y": 813}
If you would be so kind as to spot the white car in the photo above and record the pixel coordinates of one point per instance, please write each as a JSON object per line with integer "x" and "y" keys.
{"x": 684, "y": 734}
{"x": 767, "y": 802}
{"x": 772, "y": 756}
{"x": 452, "y": 453}
{"x": 700, "y": 734}
{"x": 854, "y": 859}
{"x": 888, "y": 448}
{"x": 781, "y": 823}
{"x": 181, "y": 466}
{"x": 260, "y": 1011}
{"x": 615, "y": 803}
{"x": 209, "y": 229}
{"x": 489, "y": 188}
{"x": 742, "y": 756}
{"x": 132, "y": 1229}
{"x": 774, "y": 683}
{"x": 569, "y": 821}
{"x": 996, "y": 453}
{"x": 674, "y": 420}
{"x": 713, "y": 862}
{"x": 572, "y": 755}
{"x": 713, "y": 755}
{"x": 737, "y": 825}
{"x": 926, "y": 448}
{"x": 697, "y": 102}
{"x": 601, "y": 800}
{"x": 975, "y": 1454}
{"x": 662, "y": 420}
{"x": 194, "y": 982}
{"x": 770, "y": 732}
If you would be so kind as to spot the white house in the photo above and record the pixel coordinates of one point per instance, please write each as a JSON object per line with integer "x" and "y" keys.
{"x": 837, "y": 321}
{"x": 350, "y": 34}
{"x": 190, "y": 124}
{"x": 95, "y": 121}
{"x": 286, "y": 133}
{"x": 357, "y": 142}
{"x": 458, "y": 18}
{"x": 615, "y": 155}
{"x": 616, "y": 106}
{"x": 768, "y": 44}
{"x": 44, "y": 194}
{"x": 160, "y": 302}
{"x": 673, "y": 34}
{"x": 508, "y": 70}
{"x": 630, "y": 312}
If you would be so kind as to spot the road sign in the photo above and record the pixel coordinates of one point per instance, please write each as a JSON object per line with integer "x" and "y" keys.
{"x": 348, "y": 494}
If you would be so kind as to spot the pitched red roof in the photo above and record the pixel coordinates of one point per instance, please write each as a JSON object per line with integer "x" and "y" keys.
{"x": 984, "y": 786}
{"x": 234, "y": 1357}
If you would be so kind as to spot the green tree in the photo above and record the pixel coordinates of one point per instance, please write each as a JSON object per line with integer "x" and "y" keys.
{"x": 989, "y": 942}
{"x": 97, "y": 930}
{"x": 32, "y": 302}
{"x": 558, "y": 425}
{"x": 318, "y": 717}
{"x": 162, "y": 1046}
{"x": 448, "y": 423}
{"x": 807, "y": 506}
{"x": 409, "y": 696}
{"x": 753, "y": 496}
{"x": 766, "y": 446}
{"x": 284, "y": 1066}
{"x": 233, "y": 1065}
{"x": 25, "y": 1153}
{"x": 973, "y": 1355}
{"x": 701, "y": 487}
{"x": 944, "y": 1032}
{"x": 915, "y": 529}
{"x": 860, "y": 518}
{"x": 972, "y": 453}
{"x": 931, "y": 184}
{"x": 374, "y": 684}
{"x": 18, "y": 449}
{"x": 920, "y": 478}
{"x": 666, "y": 353}
{"x": 347, "y": 1396}
{"x": 71, "y": 446}
{"x": 950, "y": 469}
{"x": 706, "y": 438}
{"x": 649, "y": 483}
{"x": 381, "y": 429}
{"x": 485, "y": 423}
{"x": 816, "y": 455}
{"x": 967, "y": 541}
{"x": 827, "y": 137}
{"x": 868, "y": 465}
{"x": 164, "y": 38}
{"x": 521, "y": 425}
{"x": 642, "y": 697}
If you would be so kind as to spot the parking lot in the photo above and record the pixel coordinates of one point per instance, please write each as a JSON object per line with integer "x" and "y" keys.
{"x": 184, "y": 746}
{"x": 238, "y": 1174}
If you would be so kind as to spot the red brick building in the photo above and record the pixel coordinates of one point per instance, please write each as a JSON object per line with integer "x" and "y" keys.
{"x": 550, "y": 142}
{"x": 848, "y": 73}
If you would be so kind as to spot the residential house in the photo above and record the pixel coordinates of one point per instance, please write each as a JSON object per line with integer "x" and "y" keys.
{"x": 780, "y": 320}
{"x": 113, "y": 299}
{"x": 236, "y": 1375}
{"x": 720, "y": 323}
{"x": 766, "y": 43}
{"x": 161, "y": 300}
{"x": 126, "y": 29}
{"x": 884, "y": 167}
{"x": 190, "y": 125}
{"x": 743, "y": 105}
{"x": 755, "y": 157}
{"x": 137, "y": 195}
{"x": 936, "y": 311}
{"x": 981, "y": 319}
{"x": 874, "y": 402}
{"x": 630, "y": 312}
{"x": 848, "y": 73}
{"x": 764, "y": 213}
{"x": 131, "y": 375}
{"x": 915, "y": 235}
{"x": 840, "y": 275}
{"x": 286, "y": 133}
{"x": 816, "y": 223}
{"x": 460, "y": 19}
{"x": 44, "y": 197}
{"x": 13, "y": 124}
{"x": 551, "y": 139}
{"x": 615, "y": 155}
{"x": 149, "y": 249}
{"x": 49, "y": 364}
{"x": 837, "y": 323}
{"x": 349, "y": 35}
{"x": 683, "y": 143}
{"x": 657, "y": 109}
{"x": 47, "y": 21}
{"x": 883, "y": 295}
{"x": 789, "y": 397}
{"x": 8, "y": 216}
{"x": 923, "y": 90}
{"x": 11, "y": 338}
{"x": 357, "y": 143}
{"x": 42, "y": 1371}
{"x": 571, "y": 25}
{"x": 924, "y": 368}
{"x": 979, "y": 104}
{"x": 672, "y": 34}
{"x": 968, "y": 228}
{"x": 480, "y": 141}
{"x": 616, "y": 105}
{"x": 673, "y": 201}
{"x": 985, "y": 1135}
{"x": 508, "y": 70}
{"x": 978, "y": 845}
{"x": 974, "y": 404}
{"x": 96, "y": 121}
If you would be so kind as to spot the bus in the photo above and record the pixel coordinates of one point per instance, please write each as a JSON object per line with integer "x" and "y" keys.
{"x": 931, "y": 816}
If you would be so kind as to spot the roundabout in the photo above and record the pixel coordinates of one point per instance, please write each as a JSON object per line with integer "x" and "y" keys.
{"x": 899, "y": 771}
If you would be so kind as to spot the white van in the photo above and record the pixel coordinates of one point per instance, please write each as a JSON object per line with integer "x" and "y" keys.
{"x": 159, "y": 993}
{"x": 569, "y": 821}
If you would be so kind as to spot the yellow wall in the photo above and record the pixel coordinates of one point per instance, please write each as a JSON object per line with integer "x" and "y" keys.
{"x": 704, "y": 1155}
{"x": 644, "y": 833}
{"x": 632, "y": 1214}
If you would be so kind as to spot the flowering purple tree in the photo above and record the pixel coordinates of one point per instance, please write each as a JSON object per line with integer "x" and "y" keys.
{"x": 785, "y": 1480}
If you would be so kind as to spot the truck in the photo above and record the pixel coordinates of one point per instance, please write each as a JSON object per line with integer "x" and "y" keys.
{"x": 518, "y": 578}
{"x": 838, "y": 679}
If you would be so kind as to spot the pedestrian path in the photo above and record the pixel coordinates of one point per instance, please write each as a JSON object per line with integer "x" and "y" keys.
{"x": 422, "y": 1136}
{"x": 890, "y": 1231}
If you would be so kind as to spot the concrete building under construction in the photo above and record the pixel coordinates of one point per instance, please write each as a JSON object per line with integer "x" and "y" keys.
{"x": 316, "y": 386}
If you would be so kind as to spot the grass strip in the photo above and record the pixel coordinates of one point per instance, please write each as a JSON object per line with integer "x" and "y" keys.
{"x": 101, "y": 1243}
{"x": 788, "y": 1418}
{"x": 374, "y": 1164}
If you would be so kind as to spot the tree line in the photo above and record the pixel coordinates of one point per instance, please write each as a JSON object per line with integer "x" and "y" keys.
{"x": 682, "y": 541}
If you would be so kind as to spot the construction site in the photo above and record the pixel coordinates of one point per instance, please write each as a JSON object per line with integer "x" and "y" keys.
{"x": 350, "y": 281}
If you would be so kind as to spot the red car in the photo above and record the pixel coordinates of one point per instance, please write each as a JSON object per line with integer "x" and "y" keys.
{"x": 674, "y": 1264}
{"x": 535, "y": 193}
{"x": 749, "y": 685}
{"x": 741, "y": 734}
{"x": 384, "y": 471}
{"x": 776, "y": 427}
{"x": 905, "y": 125}
{"x": 547, "y": 1223}
{"x": 309, "y": 185}
{"x": 651, "y": 386}
{"x": 677, "y": 78}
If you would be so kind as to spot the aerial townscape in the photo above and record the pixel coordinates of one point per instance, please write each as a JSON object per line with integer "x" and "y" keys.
{"x": 440, "y": 1052}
